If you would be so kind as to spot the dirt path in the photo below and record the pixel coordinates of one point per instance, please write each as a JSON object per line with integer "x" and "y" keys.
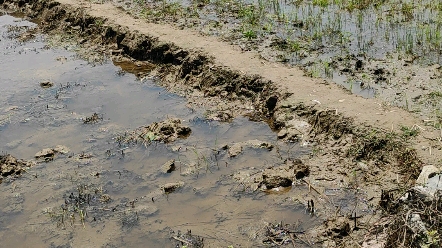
{"x": 370, "y": 112}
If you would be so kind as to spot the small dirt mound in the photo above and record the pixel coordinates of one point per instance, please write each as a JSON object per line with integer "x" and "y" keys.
{"x": 284, "y": 176}
{"x": 166, "y": 131}
{"x": 12, "y": 167}
{"x": 279, "y": 176}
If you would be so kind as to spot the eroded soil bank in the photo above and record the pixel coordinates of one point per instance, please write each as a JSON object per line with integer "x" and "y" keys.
{"x": 359, "y": 147}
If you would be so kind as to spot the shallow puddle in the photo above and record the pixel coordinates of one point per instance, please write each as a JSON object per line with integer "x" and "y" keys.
{"x": 102, "y": 193}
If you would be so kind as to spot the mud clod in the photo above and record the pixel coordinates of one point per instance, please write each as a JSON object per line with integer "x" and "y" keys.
{"x": 171, "y": 187}
{"x": 271, "y": 179}
{"x": 271, "y": 103}
{"x": 237, "y": 148}
{"x": 169, "y": 166}
{"x": 46, "y": 85}
{"x": 94, "y": 118}
{"x": 48, "y": 154}
{"x": 338, "y": 228}
{"x": 283, "y": 176}
{"x": 166, "y": 131}
{"x": 301, "y": 170}
{"x": 10, "y": 166}
{"x": 359, "y": 65}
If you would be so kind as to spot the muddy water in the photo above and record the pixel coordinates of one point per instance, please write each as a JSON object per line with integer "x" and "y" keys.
{"x": 105, "y": 194}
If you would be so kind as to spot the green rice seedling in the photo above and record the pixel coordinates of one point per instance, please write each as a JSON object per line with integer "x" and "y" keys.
{"x": 249, "y": 14}
{"x": 294, "y": 45}
{"x": 337, "y": 2}
{"x": 435, "y": 95}
{"x": 407, "y": 10}
{"x": 360, "y": 19}
{"x": 409, "y": 132}
{"x": 277, "y": 9}
{"x": 268, "y": 27}
{"x": 82, "y": 215}
{"x": 313, "y": 72}
{"x": 250, "y": 34}
{"x": 321, "y": 3}
{"x": 171, "y": 9}
{"x": 327, "y": 69}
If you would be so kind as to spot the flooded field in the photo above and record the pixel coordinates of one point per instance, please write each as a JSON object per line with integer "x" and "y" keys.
{"x": 389, "y": 50}
{"x": 95, "y": 185}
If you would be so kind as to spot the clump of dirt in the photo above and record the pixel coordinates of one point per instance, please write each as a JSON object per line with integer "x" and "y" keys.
{"x": 274, "y": 177}
{"x": 237, "y": 148}
{"x": 138, "y": 68}
{"x": 283, "y": 176}
{"x": 338, "y": 228}
{"x": 94, "y": 118}
{"x": 12, "y": 167}
{"x": 48, "y": 154}
{"x": 169, "y": 166}
{"x": 46, "y": 84}
{"x": 166, "y": 131}
{"x": 171, "y": 187}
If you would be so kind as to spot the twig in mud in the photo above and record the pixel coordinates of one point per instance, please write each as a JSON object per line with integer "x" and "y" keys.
{"x": 292, "y": 239}
{"x": 325, "y": 179}
{"x": 277, "y": 151}
{"x": 311, "y": 187}
{"x": 181, "y": 240}
{"x": 293, "y": 235}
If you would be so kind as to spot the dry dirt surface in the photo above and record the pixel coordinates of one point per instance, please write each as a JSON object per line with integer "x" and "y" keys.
{"x": 362, "y": 145}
